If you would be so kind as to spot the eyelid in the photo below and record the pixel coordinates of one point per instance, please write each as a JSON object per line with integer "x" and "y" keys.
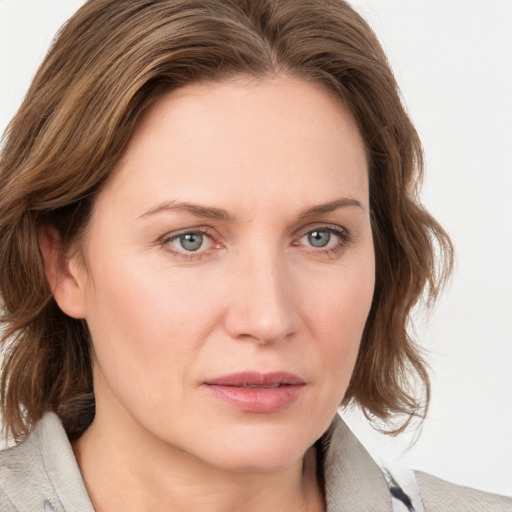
{"x": 172, "y": 235}
{"x": 333, "y": 228}
{"x": 344, "y": 236}
{"x": 165, "y": 242}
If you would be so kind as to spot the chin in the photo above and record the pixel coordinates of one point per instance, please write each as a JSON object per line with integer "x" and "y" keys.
{"x": 258, "y": 459}
{"x": 259, "y": 449}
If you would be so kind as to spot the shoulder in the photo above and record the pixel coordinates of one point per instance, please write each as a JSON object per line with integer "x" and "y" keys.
{"x": 355, "y": 482}
{"x": 439, "y": 495}
{"x": 21, "y": 469}
{"x": 41, "y": 473}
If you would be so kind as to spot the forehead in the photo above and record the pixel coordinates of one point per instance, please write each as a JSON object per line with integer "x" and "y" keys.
{"x": 243, "y": 138}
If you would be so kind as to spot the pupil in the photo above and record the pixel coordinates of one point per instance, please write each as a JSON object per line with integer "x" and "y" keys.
{"x": 191, "y": 241}
{"x": 319, "y": 238}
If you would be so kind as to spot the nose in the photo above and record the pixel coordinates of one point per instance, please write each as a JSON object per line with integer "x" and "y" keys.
{"x": 261, "y": 306}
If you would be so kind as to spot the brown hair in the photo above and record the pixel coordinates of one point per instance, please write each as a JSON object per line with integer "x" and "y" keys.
{"x": 109, "y": 63}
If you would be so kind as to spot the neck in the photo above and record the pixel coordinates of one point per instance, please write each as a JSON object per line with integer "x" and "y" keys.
{"x": 128, "y": 470}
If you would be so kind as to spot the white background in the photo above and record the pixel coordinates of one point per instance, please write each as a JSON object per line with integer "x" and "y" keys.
{"x": 453, "y": 61}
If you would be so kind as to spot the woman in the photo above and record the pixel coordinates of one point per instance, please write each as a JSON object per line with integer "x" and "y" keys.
{"x": 213, "y": 207}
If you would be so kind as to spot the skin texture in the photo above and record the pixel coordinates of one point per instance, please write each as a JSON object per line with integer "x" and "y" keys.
{"x": 256, "y": 296}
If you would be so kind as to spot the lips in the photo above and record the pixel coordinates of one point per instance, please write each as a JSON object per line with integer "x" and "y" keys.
{"x": 257, "y": 392}
{"x": 257, "y": 380}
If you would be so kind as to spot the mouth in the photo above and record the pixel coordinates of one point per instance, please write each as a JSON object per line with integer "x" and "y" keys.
{"x": 257, "y": 392}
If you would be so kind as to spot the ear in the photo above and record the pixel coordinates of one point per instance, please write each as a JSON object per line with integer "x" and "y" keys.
{"x": 63, "y": 273}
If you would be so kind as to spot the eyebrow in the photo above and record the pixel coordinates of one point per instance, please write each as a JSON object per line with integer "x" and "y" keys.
{"x": 209, "y": 212}
{"x": 204, "y": 212}
{"x": 330, "y": 206}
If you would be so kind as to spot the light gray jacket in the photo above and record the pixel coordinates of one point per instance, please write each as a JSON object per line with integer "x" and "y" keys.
{"x": 41, "y": 475}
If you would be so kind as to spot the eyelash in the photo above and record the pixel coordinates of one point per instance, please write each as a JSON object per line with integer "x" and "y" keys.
{"x": 344, "y": 236}
{"x": 190, "y": 255}
{"x": 344, "y": 239}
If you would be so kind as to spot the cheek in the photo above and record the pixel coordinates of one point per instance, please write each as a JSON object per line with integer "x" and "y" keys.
{"x": 337, "y": 316}
{"x": 147, "y": 324}
{"x": 341, "y": 301}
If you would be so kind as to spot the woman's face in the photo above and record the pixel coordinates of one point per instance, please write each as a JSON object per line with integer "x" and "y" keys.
{"x": 230, "y": 272}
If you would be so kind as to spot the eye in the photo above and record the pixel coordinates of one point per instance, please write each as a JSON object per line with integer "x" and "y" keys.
{"x": 188, "y": 242}
{"x": 319, "y": 237}
{"x": 327, "y": 238}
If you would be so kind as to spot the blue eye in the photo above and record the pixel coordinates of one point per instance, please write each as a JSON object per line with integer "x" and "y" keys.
{"x": 328, "y": 238}
{"x": 319, "y": 237}
{"x": 190, "y": 241}
{"x": 197, "y": 243}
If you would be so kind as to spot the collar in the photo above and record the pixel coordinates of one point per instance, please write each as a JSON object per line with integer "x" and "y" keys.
{"x": 352, "y": 478}
{"x": 41, "y": 473}
{"x": 61, "y": 465}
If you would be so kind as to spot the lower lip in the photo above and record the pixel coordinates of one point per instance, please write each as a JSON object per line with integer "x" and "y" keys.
{"x": 262, "y": 400}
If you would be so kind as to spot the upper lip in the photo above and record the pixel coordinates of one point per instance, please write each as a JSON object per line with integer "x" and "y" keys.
{"x": 256, "y": 380}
